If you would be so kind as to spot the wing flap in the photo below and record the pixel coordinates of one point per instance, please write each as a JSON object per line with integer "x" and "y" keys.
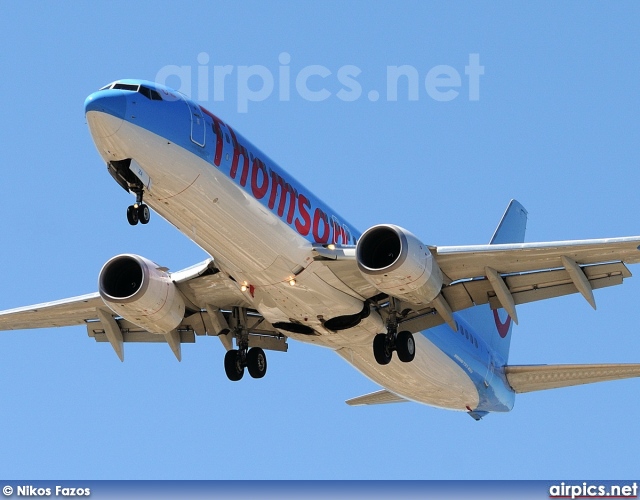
{"x": 549, "y": 292}
{"x": 527, "y": 287}
{"x": 540, "y": 285}
{"x": 133, "y": 333}
{"x": 541, "y": 377}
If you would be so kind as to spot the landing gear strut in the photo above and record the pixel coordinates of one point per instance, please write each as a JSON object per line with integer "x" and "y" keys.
{"x": 235, "y": 361}
{"x": 138, "y": 212}
{"x": 402, "y": 342}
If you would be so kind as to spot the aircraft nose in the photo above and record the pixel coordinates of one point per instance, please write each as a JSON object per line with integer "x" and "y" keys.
{"x": 105, "y": 111}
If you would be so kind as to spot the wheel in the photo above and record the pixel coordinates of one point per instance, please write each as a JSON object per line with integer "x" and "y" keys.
{"x": 132, "y": 215}
{"x": 256, "y": 362}
{"x": 406, "y": 347}
{"x": 233, "y": 366}
{"x": 143, "y": 214}
{"x": 381, "y": 349}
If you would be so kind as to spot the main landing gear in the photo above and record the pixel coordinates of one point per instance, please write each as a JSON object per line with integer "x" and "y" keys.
{"x": 236, "y": 360}
{"x": 254, "y": 359}
{"x": 138, "y": 212}
{"x": 402, "y": 342}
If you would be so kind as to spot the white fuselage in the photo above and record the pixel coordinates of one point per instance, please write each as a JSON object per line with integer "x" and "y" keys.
{"x": 257, "y": 249}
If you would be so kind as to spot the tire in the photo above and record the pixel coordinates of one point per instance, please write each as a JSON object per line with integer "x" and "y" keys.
{"x": 406, "y": 347}
{"x": 381, "y": 350}
{"x": 256, "y": 362}
{"x": 132, "y": 215}
{"x": 232, "y": 366}
{"x": 143, "y": 214}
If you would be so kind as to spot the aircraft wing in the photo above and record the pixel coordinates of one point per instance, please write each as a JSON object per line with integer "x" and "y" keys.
{"x": 210, "y": 297}
{"x": 501, "y": 275}
{"x": 504, "y": 275}
{"x": 66, "y": 312}
{"x": 464, "y": 262}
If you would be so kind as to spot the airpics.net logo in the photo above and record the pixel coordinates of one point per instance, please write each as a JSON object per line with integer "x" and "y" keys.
{"x": 589, "y": 490}
{"x": 317, "y": 83}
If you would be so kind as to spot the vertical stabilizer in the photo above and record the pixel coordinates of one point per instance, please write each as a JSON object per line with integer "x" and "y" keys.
{"x": 495, "y": 325}
{"x": 512, "y": 226}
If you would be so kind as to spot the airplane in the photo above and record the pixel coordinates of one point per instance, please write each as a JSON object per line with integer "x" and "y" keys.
{"x": 429, "y": 324}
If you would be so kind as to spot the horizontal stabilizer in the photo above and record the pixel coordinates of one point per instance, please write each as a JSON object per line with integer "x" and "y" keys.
{"x": 541, "y": 377}
{"x": 376, "y": 398}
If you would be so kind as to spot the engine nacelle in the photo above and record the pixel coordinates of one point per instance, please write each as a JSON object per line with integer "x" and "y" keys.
{"x": 138, "y": 290}
{"x": 398, "y": 264}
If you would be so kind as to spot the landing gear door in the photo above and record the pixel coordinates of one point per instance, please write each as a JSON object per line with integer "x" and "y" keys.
{"x": 139, "y": 172}
{"x": 197, "y": 123}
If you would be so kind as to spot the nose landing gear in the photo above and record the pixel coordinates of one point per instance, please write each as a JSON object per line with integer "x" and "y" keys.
{"x": 138, "y": 212}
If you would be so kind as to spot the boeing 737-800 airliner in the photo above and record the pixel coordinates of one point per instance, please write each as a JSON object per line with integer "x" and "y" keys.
{"x": 430, "y": 324}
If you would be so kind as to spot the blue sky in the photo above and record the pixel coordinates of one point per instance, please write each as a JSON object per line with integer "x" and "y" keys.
{"x": 555, "y": 126}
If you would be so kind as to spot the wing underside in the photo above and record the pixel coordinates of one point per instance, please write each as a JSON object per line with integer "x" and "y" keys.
{"x": 211, "y": 295}
{"x": 503, "y": 275}
{"x": 500, "y": 275}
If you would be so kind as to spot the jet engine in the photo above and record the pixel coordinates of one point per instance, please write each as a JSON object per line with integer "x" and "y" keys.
{"x": 141, "y": 292}
{"x": 398, "y": 264}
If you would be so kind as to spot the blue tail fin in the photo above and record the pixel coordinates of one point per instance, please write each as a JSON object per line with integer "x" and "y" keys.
{"x": 495, "y": 325}
{"x": 512, "y": 226}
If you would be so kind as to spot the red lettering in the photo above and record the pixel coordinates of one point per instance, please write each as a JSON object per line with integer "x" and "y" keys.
{"x": 336, "y": 230}
{"x": 318, "y": 216}
{"x": 323, "y": 228}
{"x": 347, "y": 234}
{"x": 219, "y": 139}
{"x": 259, "y": 191}
{"x": 340, "y": 235}
{"x": 303, "y": 229}
{"x": 239, "y": 150}
{"x": 286, "y": 191}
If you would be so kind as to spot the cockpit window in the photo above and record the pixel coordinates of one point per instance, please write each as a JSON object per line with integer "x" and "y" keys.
{"x": 150, "y": 93}
{"x": 125, "y": 86}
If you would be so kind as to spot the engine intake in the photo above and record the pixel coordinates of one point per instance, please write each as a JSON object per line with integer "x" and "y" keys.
{"x": 394, "y": 261}
{"x": 141, "y": 292}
